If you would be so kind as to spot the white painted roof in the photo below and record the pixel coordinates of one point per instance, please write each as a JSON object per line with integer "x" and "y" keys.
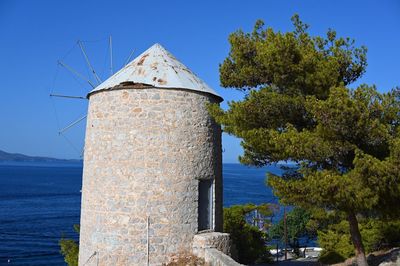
{"x": 159, "y": 68}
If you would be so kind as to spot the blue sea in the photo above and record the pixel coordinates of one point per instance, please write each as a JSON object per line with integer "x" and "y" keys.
{"x": 40, "y": 203}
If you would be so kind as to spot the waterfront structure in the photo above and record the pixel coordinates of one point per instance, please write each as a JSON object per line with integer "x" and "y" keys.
{"x": 152, "y": 175}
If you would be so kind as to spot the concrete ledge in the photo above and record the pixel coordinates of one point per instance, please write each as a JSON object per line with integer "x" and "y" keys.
{"x": 215, "y": 257}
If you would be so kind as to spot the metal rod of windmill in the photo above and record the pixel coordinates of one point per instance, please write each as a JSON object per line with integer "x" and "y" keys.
{"x": 82, "y": 77}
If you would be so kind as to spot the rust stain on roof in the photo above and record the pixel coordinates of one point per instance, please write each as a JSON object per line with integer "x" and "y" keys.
{"x": 157, "y": 67}
{"x": 131, "y": 84}
{"x": 154, "y": 65}
{"x": 141, "y": 72}
{"x": 141, "y": 61}
{"x": 161, "y": 81}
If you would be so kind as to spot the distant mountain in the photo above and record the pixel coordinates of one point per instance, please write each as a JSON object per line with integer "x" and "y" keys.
{"x": 17, "y": 157}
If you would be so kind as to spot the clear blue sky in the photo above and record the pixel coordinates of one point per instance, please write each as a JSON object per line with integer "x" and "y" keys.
{"x": 35, "y": 34}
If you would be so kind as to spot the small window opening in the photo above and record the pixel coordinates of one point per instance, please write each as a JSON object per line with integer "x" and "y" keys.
{"x": 205, "y": 204}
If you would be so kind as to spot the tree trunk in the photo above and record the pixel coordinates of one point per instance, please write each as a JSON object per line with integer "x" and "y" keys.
{"x": 356, "y": 239}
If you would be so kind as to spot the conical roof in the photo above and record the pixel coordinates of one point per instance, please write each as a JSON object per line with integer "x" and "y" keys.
{"x": 159, "y": 68}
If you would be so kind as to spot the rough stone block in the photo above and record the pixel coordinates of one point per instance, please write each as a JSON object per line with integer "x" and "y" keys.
{"x": 217, "y": 240}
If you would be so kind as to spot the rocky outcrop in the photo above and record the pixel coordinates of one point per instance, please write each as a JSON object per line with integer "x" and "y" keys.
{"x": 389, "y": 258}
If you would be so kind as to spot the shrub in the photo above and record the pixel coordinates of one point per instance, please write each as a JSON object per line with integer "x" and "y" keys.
{"x": 70, "y": 249}
{"x": 331, "y": 257}
{"x": 376, "y": 234}
{"x": 248, "y": 240}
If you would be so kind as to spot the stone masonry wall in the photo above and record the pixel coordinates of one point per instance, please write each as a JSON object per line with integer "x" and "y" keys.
{"x": 203, "y": 241}
{"x": 215, "y": 257}
{"x": 145, "y": 150}
{"x": 214, "y": 248}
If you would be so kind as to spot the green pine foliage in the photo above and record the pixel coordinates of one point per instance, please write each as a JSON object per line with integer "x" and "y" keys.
{"x": 70, "y": 249}
{"x": 248, "y": 240}
{"x": 298, "y": 107}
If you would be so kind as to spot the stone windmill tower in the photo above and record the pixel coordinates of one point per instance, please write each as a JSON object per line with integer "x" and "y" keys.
{"x": 152, "y": 165}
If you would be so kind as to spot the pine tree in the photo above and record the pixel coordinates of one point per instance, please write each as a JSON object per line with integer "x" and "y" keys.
{"x": 298, "y": 107}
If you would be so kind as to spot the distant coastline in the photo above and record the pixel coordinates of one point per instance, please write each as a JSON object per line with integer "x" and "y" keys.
{"x": 18, "y": 157}
{"x": 6, "y": 157}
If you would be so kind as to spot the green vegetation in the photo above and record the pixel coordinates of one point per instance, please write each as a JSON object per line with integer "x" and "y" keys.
{"x": 70, "y": 249}
{"x": 299, "y": 107}
{"x": 248, "y": 240}
{"x": 376, "y": 235}
{"x": 296, "y": 224}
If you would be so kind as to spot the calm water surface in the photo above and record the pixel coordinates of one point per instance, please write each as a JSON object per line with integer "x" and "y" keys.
{"x": 39, "y": 203}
